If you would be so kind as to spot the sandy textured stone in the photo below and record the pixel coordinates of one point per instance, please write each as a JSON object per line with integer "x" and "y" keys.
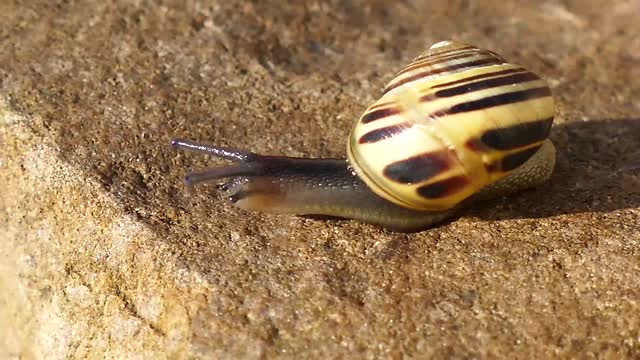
{"x": 106, "y": 254}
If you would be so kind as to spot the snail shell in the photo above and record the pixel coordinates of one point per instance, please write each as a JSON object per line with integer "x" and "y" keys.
{"x": 451, "y": 122}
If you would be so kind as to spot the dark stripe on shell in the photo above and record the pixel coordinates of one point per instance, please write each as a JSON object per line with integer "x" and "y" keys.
{"x": 440, "y": 59}
{"x": 517, "y": 136}
{"x": 459, "y": 67}
{"x": 443, "y": 188}
{"x": 435, "y": 53}
{"x": 498, "y": 100}
{"x": 512, "y": 161}
{"x": 378, "y": 114}
{"x": 487, "y": 84}
{"x": 419, "y": 168}
{"x": 478, "y": 77}
{"x": 383, "y": 133}
{"x": 377, "y": 106}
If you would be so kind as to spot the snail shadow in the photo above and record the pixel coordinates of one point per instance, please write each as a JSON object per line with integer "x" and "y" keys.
{"x": 597, "y": 170}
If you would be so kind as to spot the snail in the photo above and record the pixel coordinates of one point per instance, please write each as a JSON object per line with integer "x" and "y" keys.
{"x": 456, "y": 125}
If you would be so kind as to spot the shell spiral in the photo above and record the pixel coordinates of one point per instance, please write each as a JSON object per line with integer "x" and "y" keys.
{"x": 454, "y": 120}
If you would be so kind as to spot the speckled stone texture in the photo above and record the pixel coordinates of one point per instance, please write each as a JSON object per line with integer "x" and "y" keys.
{"x": 106, "y": 254}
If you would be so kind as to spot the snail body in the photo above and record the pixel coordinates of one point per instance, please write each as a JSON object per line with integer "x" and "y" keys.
{"x": 457, "y": 124}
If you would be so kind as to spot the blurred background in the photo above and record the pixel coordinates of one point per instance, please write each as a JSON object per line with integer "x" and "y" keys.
{"x": 108, "y": 254}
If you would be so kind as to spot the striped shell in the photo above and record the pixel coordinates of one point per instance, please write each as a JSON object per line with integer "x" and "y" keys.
{"x": 454, "y": 120}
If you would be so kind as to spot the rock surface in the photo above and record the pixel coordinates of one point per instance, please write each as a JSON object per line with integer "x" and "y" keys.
{"x": 106, "y": 253}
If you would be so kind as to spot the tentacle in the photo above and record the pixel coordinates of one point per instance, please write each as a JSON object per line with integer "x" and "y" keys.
{"x": 218, "y": 151}
{"x": 222, "y": 172}
{"x": 244, "y": 162}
